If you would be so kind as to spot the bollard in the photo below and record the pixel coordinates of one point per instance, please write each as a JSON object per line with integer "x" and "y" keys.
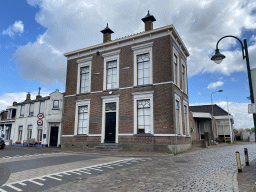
{"x": 246, "y": 156}
{"x": 239, "y": 165}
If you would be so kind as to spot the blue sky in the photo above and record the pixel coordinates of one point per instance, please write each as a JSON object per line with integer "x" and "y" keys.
{"x": 34, "y": 34}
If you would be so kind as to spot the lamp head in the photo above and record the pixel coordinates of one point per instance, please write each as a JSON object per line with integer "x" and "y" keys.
{"x": 218, "y": 57}
{"x": 220, "y": 90}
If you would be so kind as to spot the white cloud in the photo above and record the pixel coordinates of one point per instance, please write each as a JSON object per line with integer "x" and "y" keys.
{"x": 71, "y": 25}
{"x": 214, "y": 85}
{"x": 233, "y": 79}
{"x": 17, "y": 27}
{"x": 239, "y": 111}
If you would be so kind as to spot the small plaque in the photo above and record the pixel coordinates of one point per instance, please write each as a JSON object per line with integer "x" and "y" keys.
{"x": 44, "y": 136}
{"x": 252, "y": 108}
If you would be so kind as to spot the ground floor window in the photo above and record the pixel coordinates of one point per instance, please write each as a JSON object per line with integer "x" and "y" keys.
{"x": 144, "y": 118}
{"x": 20, "y": 133}
{"x": 223, "y": 127}
{"x": 177, "y": 114}
{"x": 8, "y": 133}
{"x": 39, "y": 135}
{"x": 29, "y": 132}
{"x": 82, "y": 120}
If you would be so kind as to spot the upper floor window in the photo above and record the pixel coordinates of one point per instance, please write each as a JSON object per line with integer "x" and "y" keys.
{"x": 175, "y": 61}
{"x": 31, "y": 109}
{"x": 112, "y": 74}
{"x": 143, "y": 62}
{"x": 143, "y": 69}
{"x": 56, "y": 104}
{"x": 84, "y": 79}
{"x": 41, "y": 107}
{"x": 22, "y": 110}
{"x": 84, "y": 75}
{"x": 184, "y": 78}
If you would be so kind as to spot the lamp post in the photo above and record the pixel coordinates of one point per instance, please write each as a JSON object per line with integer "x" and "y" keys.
{"x": 212, "y": 116}
{"x": 218, "y": 57}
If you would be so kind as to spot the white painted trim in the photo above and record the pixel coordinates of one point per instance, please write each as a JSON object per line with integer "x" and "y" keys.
{"x": 112, "y": 56}
{"x": 78, "y": 104}
{"x": 87, "y": 62}
{"x": 94, "y": 135}
{"x": 109, "y": 99}
{"x": 177, "y": 98}
{"x": 165, "y": 135}
{"x": 142, "y": 49}
{"x": 125, "y": 134}
{"x": 143, "y": 93}
{"x": 176, "y": 53}
{"x": 143, "y": 46}
{"x": 141, "y": 96}
{"x": 67, "y": 135}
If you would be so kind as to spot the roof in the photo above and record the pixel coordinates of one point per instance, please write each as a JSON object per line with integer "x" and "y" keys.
{"x": 145, "y": 33}
{"x": 217, "y": 111}
{"x": 202, "y": 115}
{"x": 107, "y": 30}
{"x": 148, "y": 17}
{"x": 35, "y": 100}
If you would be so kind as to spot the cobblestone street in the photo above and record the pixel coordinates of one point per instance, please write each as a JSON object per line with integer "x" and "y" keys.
{"x": 205, "y": 170}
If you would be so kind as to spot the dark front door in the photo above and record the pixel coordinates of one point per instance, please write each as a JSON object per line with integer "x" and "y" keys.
{"x": 110, "y": 128}
{"x": 54, "y": 136}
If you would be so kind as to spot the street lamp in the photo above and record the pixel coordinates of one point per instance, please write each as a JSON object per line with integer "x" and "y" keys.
{"x": 212, "y": 115}
{"x": 218, "y": 57}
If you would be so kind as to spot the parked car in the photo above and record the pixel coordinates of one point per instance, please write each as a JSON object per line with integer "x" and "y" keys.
{"x": 2, "y": 143}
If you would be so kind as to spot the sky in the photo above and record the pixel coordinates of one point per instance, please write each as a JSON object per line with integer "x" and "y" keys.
{"x": 34, "y": 34}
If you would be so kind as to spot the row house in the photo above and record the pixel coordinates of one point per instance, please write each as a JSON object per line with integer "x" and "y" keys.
{"x": 7, "y": 122}
{"x": 131, "y": 91}
{"x": 40, "y": 120}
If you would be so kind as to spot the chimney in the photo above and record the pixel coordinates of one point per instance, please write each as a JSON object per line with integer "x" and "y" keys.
{"x": 28, "y": 97}
{"x": 106, "y": 34}
{"x": 39, "y": 96}
{"x": 148, "y": 20}
{"x": 14, "y": 103}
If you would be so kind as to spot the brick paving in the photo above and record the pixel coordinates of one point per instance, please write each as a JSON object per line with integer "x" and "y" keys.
{"x": 211, "y": 169}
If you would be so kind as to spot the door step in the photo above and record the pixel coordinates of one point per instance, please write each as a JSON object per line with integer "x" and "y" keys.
{"x": 107, "y": 147}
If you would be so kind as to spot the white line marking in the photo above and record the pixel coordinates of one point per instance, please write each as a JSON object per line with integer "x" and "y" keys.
{"x": 36, "y": 182}
{"x": 85, "y": 172}
{"x": 23, "y": 184}
{"x": 75, "y": 172}
{"x": 109, "y": 167}
{"x": 39, "y": 178}
{"x": 15, "y": 188}
{"x": 66, "y": 173}
{"x": 95, "y": 169}
{"x": 59, "y": 175}
{"x": 1, "y": 190}
{"x": 54, "y": 178}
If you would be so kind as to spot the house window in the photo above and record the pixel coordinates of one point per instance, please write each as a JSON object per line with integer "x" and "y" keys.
{"x": 177, "y": 114}
{"x": 31, "y": 109}
{"x": 143, "y": 115}
{"x": 84, "y": 79}
{"x": 112, "y": 74}
{"x": 8, "y": 133}
{"x": 82, "y": 120}
{"x": 22, "y": 110}
{"x": 175, "y": 69}
{"x": 185, "y": 119}
{"x": 20, "y": 133}
{"x": 39, "y": 135}
{"x": 41, "y": 107}
{"x": 143, "y": 69}
{"x": 29, "y": 135}
{"x": 56, "y": 104}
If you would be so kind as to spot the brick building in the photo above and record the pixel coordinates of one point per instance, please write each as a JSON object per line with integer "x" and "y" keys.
{"x": 131, "y": 91}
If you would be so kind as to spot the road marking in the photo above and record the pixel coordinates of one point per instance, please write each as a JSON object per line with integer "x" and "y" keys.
{"x": 24, "y": 184}
{"x": 1, "y": 190}
{"x": 41, "y": 179}
{"x": 75, "y": 172}
{"x": 54, "y": 178}
{"x": 15, "y": 188}
{"x": 36, "y": 182}
{"x": 66, "y": 173}
{"x": 95, "y": 169}
{"x": 85, "y": 172}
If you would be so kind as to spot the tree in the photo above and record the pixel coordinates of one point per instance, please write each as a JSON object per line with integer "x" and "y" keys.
{"x": 236, "y": 130}
{"x": 241, "y": 130}
{"x": 252, "y": 129}
{"x": 248, "y": 129}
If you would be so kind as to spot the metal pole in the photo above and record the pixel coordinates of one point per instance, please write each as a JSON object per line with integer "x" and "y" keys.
{"x": 212, "y": 122}
{"x": 246, "y": 156}
{"x": 238, "y": 160}
{"x": 250, "y": 80}
{"x": 231, "y": 131}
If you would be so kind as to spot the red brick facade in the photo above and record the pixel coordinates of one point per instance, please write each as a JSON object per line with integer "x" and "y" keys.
{"x": 163, "y": 88}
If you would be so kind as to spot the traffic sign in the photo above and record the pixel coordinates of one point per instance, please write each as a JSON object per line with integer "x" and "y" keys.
{"x": 40, "y": 122}
{"x": 40, "y": 115}
{"x": 252, "y": 108}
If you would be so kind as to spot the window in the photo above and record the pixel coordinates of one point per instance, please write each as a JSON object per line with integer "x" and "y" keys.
{"x": 29, "y": 135}
{"x": 20, "y": 133}
{"x": 143, "y": 63}
{"x": 184, "y": 77}
{"x": 8, "y": 133}
{"x": 143, "y": 113}
{"x": 223, "y": 127}
{"x": 111, "y": 70}
{"x": 112, "y": 74}
{"x": 39, "y": 135}
{"x": 56, "y": 104}
{"x": 143, "y": 69}
{"x": 22, "y": 110}
{"x": 84, "y": 79}
{"x": 31, "y": 109}
{"x": 82, "y": 120}
{"x": 177, "y": 114}
{"x": 175, "y": 69}
{"x": 84, "y": 75}
{"x": 185, "y": 119}
{"x": 41, "y": 107}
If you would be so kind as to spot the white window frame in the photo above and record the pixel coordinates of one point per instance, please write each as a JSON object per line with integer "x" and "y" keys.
{"x": 42, "y": 103}
{"x": 38, "y": 140}
{"x": 58, "y": 104}
{"x": 22, "y": 115}
{"x": 28, "y": 130}
{"x": 175, "y": 53}
{"x": 31, "y": 112}
{"x": 109, "y": 99}
{"x": 177, "y": 98}
{"x": 185, "y": 103}
{"x": 139, "y": 50}
{"x": 83, "y": 63}
{"x": 20, "y": 128}
{"x": 142, "y": 96}
{"x": 185, "y": 82}
{"x": 79, "y": 104}
{"x": 111, "y": 56}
